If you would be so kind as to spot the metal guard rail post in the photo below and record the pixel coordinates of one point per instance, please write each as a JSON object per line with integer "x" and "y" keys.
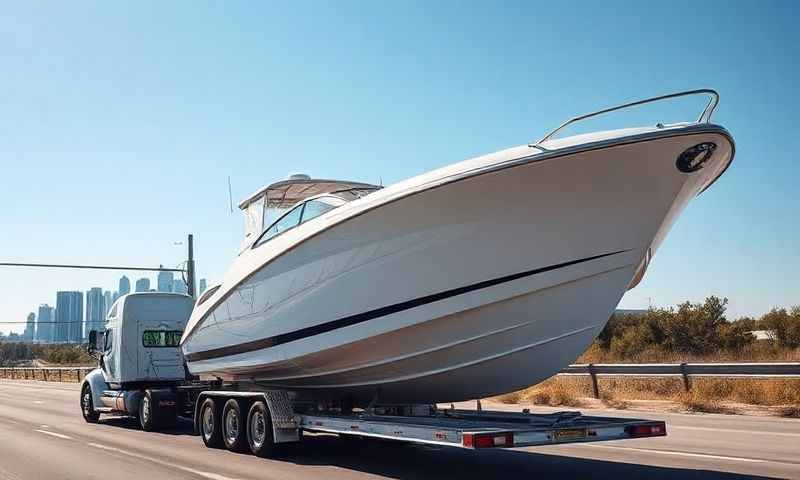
{"x": 684, "y": 370}
{"x": 45, "y": 373}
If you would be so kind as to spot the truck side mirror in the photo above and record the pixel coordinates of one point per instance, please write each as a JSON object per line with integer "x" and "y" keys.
{"x": 92, "y": 346}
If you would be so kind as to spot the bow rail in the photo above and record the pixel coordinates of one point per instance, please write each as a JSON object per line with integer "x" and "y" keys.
{"x": 705, "y": 116}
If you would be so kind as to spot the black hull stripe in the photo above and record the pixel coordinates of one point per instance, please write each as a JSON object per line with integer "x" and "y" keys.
{"x": 378, "y": 312}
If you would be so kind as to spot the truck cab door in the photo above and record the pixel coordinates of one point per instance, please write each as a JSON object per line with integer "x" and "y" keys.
{"x": 108, "y": 361}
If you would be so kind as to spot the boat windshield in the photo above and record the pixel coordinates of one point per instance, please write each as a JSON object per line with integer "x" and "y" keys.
{"x": 299, "y": 214}
{"x": 272, "y": 202}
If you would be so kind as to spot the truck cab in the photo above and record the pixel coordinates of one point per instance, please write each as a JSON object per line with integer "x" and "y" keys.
{"x": 138, "y": 352}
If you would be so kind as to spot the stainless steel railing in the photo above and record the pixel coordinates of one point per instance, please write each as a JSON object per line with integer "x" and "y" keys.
{"x": 705, "y": 116}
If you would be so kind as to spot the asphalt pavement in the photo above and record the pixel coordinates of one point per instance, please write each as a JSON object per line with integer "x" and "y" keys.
{"x": 43, "y": 436}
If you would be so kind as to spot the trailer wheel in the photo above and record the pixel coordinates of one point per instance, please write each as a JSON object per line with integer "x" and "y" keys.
{"x": 234, "y": 429}
{"x": 87, "y": 405}
{"x": 148, "y": 414}
{"x": 259, "y": 430}
{"x": 210, "y": 425}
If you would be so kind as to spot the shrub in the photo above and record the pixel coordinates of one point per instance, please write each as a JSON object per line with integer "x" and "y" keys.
{"x": 784, "y": 326}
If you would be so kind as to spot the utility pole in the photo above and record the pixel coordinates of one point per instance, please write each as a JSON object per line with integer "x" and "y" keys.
{"x": 190, "y": 267}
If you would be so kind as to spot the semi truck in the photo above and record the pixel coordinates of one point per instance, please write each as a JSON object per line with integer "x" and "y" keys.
{"x": 141, "y": 373}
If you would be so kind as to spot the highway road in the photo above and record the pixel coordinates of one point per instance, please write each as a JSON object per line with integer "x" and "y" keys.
{"x": 42, "y": 436}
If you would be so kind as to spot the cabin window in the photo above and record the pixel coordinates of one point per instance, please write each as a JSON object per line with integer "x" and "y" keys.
{"x": 254, "y": 217}
{"x": 161, "y": 338}
{"x": 207, "y": 294}
{"x": 288, "y": 221}
{"x": 315, "y": 208}
{"x": 108, "y": 340}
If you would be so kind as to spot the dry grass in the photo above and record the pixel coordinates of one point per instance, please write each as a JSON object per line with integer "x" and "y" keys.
{"x": 711, "y": 395}
{"x": 694, "y": 404}
{"x": 790, "y": 411}
{"x": 555, "y": 392}
{"x": 617, "y": 404}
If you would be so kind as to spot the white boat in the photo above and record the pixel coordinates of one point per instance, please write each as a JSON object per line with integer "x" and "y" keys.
{"x": 476, "y": 279}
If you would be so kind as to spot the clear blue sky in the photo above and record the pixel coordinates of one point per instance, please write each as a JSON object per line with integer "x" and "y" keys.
{"x": 120, "y": 124}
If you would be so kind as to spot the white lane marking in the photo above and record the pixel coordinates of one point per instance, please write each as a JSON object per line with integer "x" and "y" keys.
{"x": 54, "y": 434}
{"x": 687, "y": 454}
{"x": 44, "y": 426}
{"x": 733, "y": 430}
{"x": 209, "y": 475}
{"x": 38, "y": 402}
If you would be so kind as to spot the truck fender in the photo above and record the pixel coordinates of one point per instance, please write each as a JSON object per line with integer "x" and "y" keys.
{"x": 97, "y": 382}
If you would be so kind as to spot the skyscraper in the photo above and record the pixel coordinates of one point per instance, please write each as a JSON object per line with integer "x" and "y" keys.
{"x": 143, "y": 285}
{"x": 124, "y": 286}
{"x": 95, "y": 310}
{"x": 203, "y": 286}
{"x": 69, "y": 317}
{"x": 179, "y": 286}
{"x": 165, "y": 281}
{"x": 108, "y": 301}
{"x": 44, "y": 327}
{"x": 30, "y": 328}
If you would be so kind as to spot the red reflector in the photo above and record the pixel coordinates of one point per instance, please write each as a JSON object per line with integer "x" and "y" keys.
{"x": 646, "y": 430}
{"x": 488, "y": 440}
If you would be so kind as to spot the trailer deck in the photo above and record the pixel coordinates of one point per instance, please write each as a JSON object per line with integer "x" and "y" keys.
{"x": 483, "y": 429}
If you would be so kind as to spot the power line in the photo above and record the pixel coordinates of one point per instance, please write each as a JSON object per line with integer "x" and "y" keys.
{"x": 53, "y": 323}
{"x": 96, "y": 267}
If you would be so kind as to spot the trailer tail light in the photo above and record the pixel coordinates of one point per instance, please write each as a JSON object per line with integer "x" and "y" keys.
{"x": 653, "y": 430}
{"x": 488, "y": 440}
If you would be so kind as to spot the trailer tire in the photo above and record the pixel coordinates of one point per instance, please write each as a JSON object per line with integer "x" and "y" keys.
{"x": 259, "y": 430}
{"x": 148, "y": 412}
{"x": 234, "y": 429}
{"x": 87, "y": 405}
{"x": 210, "y": 424}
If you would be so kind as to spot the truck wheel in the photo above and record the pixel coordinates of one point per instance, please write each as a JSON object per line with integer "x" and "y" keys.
{"x": 234, "y": 430}
{"x": 148, "y": 414}
{"x": 259, "y": 430}
{"x": 87, "y": 405}
{"x": 210, "y": 425}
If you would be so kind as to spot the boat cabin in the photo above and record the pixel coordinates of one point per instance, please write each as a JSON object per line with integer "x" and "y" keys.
{"x": 285, "y": 204}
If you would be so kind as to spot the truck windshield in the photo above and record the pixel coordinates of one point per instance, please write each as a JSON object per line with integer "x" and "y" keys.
{"x": 161, "y": 338}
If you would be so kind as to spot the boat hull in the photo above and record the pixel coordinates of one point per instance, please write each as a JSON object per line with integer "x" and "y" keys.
{"x": 470, "y": 288}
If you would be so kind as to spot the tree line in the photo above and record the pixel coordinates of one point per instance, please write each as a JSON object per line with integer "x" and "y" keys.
{"x": 696, "y": 329}
{"x": 16, "y": 353}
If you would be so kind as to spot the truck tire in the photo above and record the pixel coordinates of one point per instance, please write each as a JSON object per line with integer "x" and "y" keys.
{"x": 259, "y": 430}
{"x": 87, "y": 405}
{"x": 234, "y": 429}
{"x": 210, "y": 424}
{"x": 148, "y": 412}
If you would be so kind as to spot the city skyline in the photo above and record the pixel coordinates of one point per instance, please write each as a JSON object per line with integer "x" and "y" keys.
{"x": 45, "y": 326}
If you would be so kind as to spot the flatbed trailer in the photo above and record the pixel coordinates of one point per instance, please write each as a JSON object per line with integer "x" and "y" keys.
{"x": 240, "y": 419}
{"x": 420, "y": 424}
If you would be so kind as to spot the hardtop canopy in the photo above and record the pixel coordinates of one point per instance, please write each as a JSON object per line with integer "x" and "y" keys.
{"x": 285, "y": 193}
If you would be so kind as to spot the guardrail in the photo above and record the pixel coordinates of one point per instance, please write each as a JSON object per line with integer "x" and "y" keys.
{"x": 593, "y": 370}
{"x": 684, "y": 370}
{"x": 46, "y": 374}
